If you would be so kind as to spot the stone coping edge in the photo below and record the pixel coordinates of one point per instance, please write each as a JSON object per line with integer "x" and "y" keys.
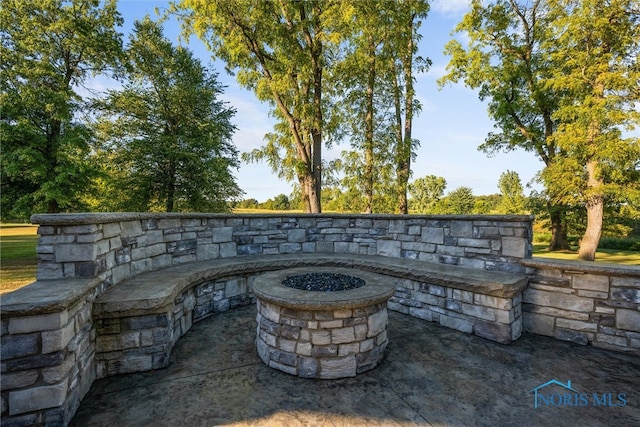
{"x": 268, "y": 287}
{"x": 582, "y": 266}
{"x": 46, "y": 296}
{"x": 107, "y": 217}
{"x": 49, "y": 296}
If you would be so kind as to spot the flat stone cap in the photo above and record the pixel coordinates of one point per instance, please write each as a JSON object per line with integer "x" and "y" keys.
{"x": 268, "y": 287}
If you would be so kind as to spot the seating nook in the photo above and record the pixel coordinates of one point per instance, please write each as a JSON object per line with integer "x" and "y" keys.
{"x": 114, "y": 292}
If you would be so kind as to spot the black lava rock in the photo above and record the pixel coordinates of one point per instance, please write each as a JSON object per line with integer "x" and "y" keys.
{"x": 325, "y": 282}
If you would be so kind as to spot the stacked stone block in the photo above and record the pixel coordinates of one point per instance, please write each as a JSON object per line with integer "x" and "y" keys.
{"x": 586, "y": 304}
{"x": 143, "y": 341}
{"x": 114, "y": 247}
{"x": 83, "y": 255}
{"x": 221, "y": 295}
{"x": 49, "y": 329}
{"x": 133, "y": 343}
{"x": 323, "y": 344}
{"x": 47, "y": 364}
{"x": 497, "y": 318}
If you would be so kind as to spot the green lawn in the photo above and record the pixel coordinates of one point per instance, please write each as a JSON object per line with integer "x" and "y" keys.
{"x": 614, "y": 256}
{"x": 18, "y": 258}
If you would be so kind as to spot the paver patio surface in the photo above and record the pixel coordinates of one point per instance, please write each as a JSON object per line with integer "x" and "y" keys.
{"x": 431, "y": 376}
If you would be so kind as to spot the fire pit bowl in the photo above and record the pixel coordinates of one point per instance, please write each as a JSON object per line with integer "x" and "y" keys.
{"x": 337, "y": 330}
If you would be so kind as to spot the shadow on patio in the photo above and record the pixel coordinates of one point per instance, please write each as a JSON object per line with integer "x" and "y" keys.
{"x": 431, "y": 376}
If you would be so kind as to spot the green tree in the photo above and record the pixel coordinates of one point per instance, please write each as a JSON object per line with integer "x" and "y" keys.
{"x": 281, "y": 202}
{"x": 248, "y": 204}
{"x": 460, "y": 201}
{"x": 513, "y": 199}
{"x": 343, "y": 200}
{"x": 561, "y": 77}
{"x": 281, "y": 50}
{"x": 343, "y": 186}
{"x": 49, "y": 50}
{"x": 405, "y": 42}
{"x": 374, "y": 79}
{"x": 596, "y": 50}
{"x": 506, "y": 61}
{"x": 168, "y": 130}
{"x": 359, "y": 192}
{"x": 484, "y": 205}
{"x": 426, "y": 192}
{"x": 357, "y": 78}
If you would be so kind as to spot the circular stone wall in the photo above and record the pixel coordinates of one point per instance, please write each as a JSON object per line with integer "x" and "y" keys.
{"x": 321, "y": 334}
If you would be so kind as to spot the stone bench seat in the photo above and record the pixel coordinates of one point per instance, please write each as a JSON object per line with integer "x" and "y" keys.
{"x": 140, "y": 319}
{"x": 148, "y": 292}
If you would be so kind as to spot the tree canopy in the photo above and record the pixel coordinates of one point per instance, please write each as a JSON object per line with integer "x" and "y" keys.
{"x": 305, "y": 58}
{"x": 167, "y": 132}
{"x": 377, "y": 103}
{"x": 426, "y": 192}
{"x": 49, "y": 50}
{"x": 460, "y": 201}
{"x": 561, "y": 78}
{"x": 513, "y": 199}
{"x": 597, "y": 69}
{"x": 281, "y": 51}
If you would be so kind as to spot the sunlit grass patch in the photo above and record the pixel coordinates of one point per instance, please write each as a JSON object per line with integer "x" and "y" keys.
{"x": 614, "y": 256}
{"x": 18, "y": 259}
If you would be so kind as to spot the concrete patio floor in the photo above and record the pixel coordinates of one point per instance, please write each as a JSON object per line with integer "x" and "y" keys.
{"x": 431, "y": 376}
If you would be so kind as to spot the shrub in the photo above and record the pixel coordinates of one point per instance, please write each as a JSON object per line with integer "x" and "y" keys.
{"x": 628, "y": 244}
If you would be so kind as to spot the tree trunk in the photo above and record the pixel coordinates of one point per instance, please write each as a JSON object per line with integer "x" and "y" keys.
{"x": 171, "y": 188}
{"x": 309, "y": 194}
{"x": 52, "y": 206}
{"x": 368, "y": 132}
{"x": 404, "y": 167}
{"x": 398, "y": 136}
{"x": 558, "y": 228}
{"x": 595, "y": 212}
{"x": 53, "y": 139}
{"x": 315, "y": 189}
{"x": 591, "y": 238}
{"x": 316, "y": 48}
{"x": 304, "y": 193}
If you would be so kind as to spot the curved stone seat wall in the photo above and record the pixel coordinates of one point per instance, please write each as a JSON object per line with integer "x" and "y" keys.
{"x": 48, "y": 327}
{"x": 49, "y": 330}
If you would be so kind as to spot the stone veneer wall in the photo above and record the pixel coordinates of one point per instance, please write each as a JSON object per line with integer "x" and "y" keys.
{"x": 148, "y": 339}
{"x": 586, "y": 303}
{"x": 48, "y": 332}
{"x": 323, "y": 344}
{"x": 491, "y": 317}
{"x": 114, "y": 247}
{"x": 47, "y": 356}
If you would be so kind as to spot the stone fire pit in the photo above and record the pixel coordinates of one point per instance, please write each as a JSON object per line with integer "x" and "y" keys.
{"x": 336, "y": 331}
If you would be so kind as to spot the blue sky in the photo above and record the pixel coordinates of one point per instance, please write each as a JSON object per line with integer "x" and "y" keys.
{"x": 452, "y": 124}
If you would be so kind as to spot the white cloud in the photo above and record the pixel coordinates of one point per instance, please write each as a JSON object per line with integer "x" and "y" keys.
{"x": 97, "y": 85}
{"x": 435, "y": 71}
{"x": 450, "y": 8}
{"x": 252, "y": 119}
{"x": 428, "y": 106}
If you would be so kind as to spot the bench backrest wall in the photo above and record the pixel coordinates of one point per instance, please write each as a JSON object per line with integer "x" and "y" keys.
{"x": 114, "y": 247}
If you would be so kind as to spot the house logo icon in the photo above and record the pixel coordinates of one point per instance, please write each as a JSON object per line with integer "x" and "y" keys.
{"x": 536, "y": 390}
{"x": 567, "y": 396}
